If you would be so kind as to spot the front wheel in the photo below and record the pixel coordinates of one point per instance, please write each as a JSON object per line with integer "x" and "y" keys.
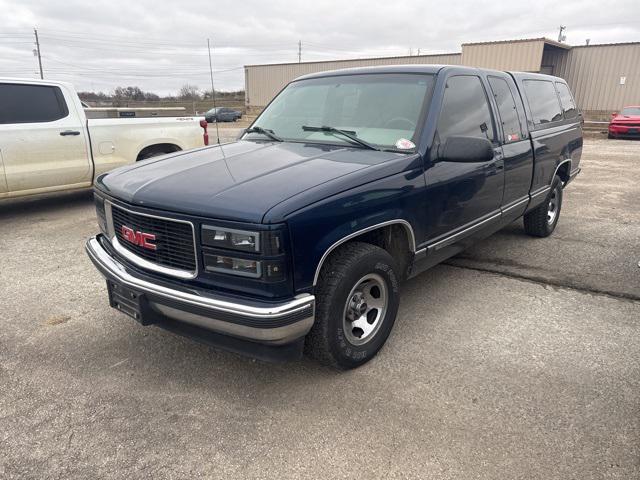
{"x": 357, "y": 303}
{"x": 542, "y": 220}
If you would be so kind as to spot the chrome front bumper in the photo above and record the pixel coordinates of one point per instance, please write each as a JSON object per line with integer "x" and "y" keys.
{"x": 263, "y": 322}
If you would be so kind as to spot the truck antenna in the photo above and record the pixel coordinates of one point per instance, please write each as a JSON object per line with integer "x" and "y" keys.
{"x": 213, "y": 90}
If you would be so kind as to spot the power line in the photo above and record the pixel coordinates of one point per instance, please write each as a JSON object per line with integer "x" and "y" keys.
{"x": 161, "y": 52}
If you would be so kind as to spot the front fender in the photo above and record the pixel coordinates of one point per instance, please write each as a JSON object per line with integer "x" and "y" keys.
{"x": 320, "y": 228}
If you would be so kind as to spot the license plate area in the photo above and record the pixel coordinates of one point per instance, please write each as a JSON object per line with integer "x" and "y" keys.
{"x": 128, "y": 301}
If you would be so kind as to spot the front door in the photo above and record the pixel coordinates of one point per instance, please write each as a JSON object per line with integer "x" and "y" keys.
{"x": 460, "y": 196}
{"x": 42, "y": 139}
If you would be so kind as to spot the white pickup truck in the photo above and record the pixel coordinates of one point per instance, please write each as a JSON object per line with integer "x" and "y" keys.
{"x": 47, "y": 144}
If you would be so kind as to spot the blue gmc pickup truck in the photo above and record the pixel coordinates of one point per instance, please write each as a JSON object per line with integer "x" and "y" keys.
{"x": 296, "y": 237}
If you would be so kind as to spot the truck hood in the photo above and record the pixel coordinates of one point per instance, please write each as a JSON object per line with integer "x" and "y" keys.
{"x": 238, "y": 181}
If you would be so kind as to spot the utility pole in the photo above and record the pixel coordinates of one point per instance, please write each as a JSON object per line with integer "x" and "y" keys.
{"x": 299, "y": 51}
{"x": 37, "y": 53}
{"x": 562, "y": 38}
{"x": 213, "y": 90}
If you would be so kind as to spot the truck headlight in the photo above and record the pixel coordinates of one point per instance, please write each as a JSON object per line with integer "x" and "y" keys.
{"x": 246, "y": 253}
{"x": 266, "y": 242}
{"x": 237, "y": 266}
{"x": 268, "y": 270}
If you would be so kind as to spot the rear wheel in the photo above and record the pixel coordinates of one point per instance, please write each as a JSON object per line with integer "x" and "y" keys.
{"x": 542, "y": 220}
{"x": 357, "y": 302}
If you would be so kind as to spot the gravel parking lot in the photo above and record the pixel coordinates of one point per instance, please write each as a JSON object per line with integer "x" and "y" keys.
{"x": 519, "y": 359}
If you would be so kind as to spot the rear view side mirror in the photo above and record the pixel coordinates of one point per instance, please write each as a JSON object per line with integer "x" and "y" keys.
{"x": 466, "y": 150}
{"x": 241, "y": 133}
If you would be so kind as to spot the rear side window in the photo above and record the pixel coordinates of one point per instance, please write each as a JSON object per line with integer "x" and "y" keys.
{"x": 31, "y": 104}
{"x": 543, "y": 101}
{"x": 511, "y": 126}
{"x": 465, "y": 109}
{"x": 566, "y": 99}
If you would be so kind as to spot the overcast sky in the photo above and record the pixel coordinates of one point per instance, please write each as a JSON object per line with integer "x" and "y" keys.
{"x": 160, "y": 45}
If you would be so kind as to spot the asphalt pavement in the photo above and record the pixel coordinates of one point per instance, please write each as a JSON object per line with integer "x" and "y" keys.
{"x": 518, "y": 359}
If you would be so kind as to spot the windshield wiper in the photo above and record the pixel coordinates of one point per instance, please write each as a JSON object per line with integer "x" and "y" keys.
{"x": 351, "y": 135}
{"x": 264, "y": 131}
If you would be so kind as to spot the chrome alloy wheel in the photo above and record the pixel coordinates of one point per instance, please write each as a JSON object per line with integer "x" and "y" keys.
{"x": 365, "y": 309}
{"x": 552, "y": 208}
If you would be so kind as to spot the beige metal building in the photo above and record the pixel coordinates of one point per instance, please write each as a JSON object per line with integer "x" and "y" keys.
{"x": 603, "y": 77}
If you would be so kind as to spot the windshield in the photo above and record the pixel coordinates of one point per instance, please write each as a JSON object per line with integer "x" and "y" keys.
{"x": 630, "y": 111}
{"x": 381, "y": 109}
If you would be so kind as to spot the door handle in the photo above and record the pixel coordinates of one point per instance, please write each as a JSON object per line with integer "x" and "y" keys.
{"x": 65, "y": 133}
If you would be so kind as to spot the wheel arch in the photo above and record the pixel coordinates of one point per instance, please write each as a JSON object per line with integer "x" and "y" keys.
{"x": 563, "y": 170}
{"x": 385, "y": 233}
{"x": 164, "y": 147}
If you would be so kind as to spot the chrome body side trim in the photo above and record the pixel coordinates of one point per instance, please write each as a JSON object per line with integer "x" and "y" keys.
{"x": 539, "y": 193}
{"x": 573, "y": 174}
{"x": 515, "y": 205}
{"x": 404, "y": 223}
{"x": 210, "y": 306}
{"x": 142, "y": 262}
{"x": 462, "y": 233}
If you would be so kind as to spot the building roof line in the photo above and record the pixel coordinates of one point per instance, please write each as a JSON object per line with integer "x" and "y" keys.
{"x": 548, "y": 41}
{"x": 355, "y": 59}
{"x": 605, "y": 44}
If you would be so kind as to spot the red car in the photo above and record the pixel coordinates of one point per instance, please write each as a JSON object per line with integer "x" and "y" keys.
{"x": 626, "y": 123}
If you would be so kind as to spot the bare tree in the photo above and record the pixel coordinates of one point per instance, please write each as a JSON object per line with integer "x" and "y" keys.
{"x": 189, "y": 92}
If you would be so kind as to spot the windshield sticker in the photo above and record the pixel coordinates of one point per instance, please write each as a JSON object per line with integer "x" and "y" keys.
{"x": 404, "y": 144}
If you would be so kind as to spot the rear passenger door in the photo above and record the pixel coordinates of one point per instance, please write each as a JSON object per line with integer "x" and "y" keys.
{"x": 42, "y": 138}
{"x": 462, "y": 196}
{"x": 550, "y": 134}
{"x": 516, "y": 147}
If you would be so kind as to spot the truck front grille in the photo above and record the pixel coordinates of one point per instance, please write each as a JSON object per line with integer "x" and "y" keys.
{"x": 173, "y": 239}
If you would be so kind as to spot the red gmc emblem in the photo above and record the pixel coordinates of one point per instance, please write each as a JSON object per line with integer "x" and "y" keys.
{"x": 139, "y": 238}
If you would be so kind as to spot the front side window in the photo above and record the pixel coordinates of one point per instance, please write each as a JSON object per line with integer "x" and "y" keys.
{"x": 381, "y": 109}
{"x": 566, "y": 99}
{"x": 511, "y": 126}
{"x": 31, "y": 103}
{"x": 465, "y": 109}
{"x": 543, "y": 101}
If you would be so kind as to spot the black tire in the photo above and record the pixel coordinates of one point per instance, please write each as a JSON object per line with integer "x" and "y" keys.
{"x": 542, "y": 220}
{"x": 344, "y": 271}
{"x": 610, "y": 136}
